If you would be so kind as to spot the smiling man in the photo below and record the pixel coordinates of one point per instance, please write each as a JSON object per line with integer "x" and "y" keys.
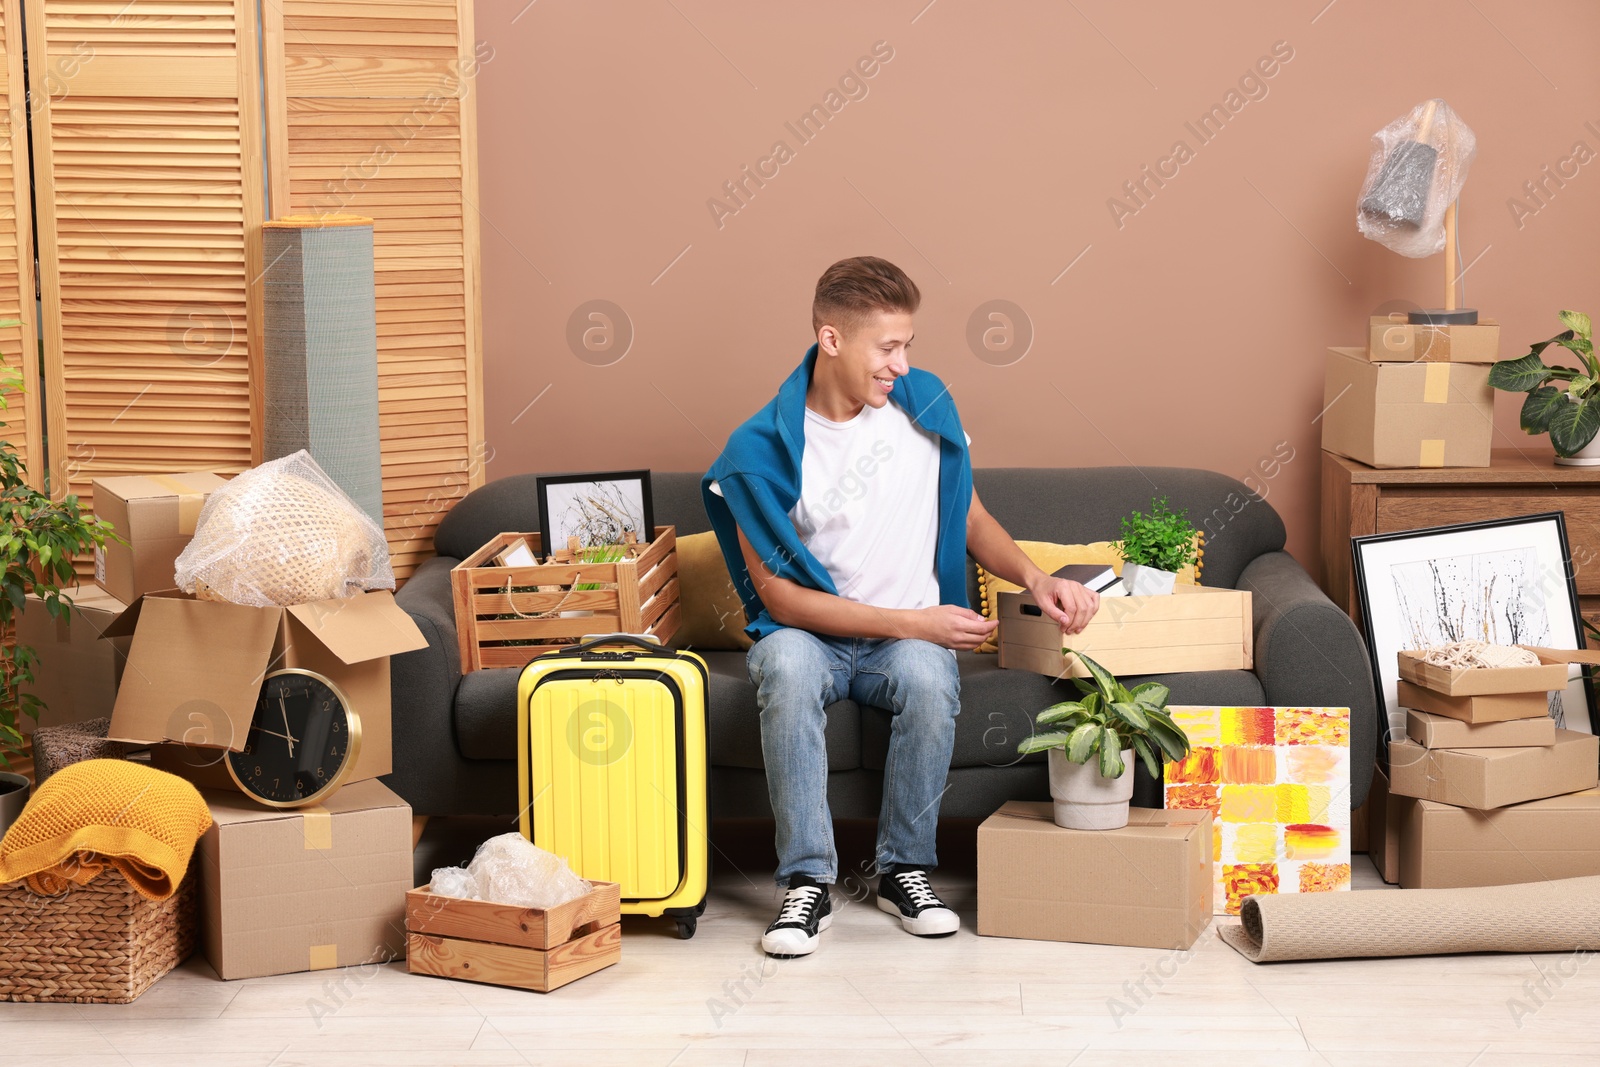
{"x": 845, "y": 511}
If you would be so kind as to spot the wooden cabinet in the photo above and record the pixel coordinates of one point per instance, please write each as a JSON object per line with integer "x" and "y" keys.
{"x": 1358, "y": 499}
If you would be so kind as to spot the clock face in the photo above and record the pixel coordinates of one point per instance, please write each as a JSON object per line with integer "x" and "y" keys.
{"x": 302, "y": 741}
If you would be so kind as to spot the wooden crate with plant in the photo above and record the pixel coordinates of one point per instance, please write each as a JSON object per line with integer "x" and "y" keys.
{"x": 507, "y": 615}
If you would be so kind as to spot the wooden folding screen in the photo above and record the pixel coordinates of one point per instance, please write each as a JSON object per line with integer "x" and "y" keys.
{"x": 19, "y": 345}
{"x": 371, "y": 111}
{"x": 148, "y": 190}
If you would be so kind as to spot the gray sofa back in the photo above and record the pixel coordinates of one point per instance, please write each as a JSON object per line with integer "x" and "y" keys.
{"x": 1064, "y": 505}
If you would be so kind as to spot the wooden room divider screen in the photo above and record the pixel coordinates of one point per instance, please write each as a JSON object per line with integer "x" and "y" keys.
{"x": 150, "y": 187}
{"x": 18, "y": 344}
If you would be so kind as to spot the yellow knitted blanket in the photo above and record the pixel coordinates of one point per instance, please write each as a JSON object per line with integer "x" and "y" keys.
{"x": 142, "y": 823}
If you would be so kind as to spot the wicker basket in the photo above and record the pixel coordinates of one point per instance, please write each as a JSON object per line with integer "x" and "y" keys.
{"x": 101, "y": 943}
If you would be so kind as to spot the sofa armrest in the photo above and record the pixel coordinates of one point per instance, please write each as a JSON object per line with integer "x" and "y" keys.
{"x": 1309, "y": 654}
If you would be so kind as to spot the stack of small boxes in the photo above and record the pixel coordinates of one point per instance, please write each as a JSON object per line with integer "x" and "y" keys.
{"x": 1416, "y": 396}
{"x": 1485, "y": 789}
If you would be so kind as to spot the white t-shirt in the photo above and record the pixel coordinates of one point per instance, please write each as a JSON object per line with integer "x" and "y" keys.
{"x": 869, "y": 506}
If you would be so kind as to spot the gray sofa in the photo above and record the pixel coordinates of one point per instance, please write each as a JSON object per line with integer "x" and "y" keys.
{"x": 455, "y": 736}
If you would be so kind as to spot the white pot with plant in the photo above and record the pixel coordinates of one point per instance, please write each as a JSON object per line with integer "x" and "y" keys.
{"x": 1569, "y": 411}
{"x": 1155, "y": 547}
{"x": 1092, "y": 742}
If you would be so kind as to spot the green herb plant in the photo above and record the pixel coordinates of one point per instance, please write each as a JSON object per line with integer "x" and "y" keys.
{"x": 38, "y": 539}
{"x": 1571, "y": 416}
{"x": 1163, "y": 539}
{"x": 1107, "y": 719}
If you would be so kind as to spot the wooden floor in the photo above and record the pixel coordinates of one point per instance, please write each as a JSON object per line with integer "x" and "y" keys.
{"x": 871, "y": 995}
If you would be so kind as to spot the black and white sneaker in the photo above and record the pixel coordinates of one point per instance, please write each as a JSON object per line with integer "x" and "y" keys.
{"x": 807, "y": 911}
{"x": 904, "y": 891}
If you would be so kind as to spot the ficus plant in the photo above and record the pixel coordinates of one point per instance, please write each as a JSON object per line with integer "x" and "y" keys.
{"x": 1163, "y": 539}
{"x": 38, "y": 539}
{"x": 1108, "y": 718}
{"x": 1570, "y": 415}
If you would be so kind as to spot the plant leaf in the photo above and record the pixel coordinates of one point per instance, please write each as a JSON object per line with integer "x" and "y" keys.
{"x": 1577, "y": 322}
{"x": 1111, "y": 765}
{"x": 1057, "y": 712}
{"x": 1152, "y": 762}
{"x": 1042, "y": 742}
{"x": 1574, "y": 425}
{"x": 1539, "y": 407}
{"x": 1165, "y": 733}
{"x": 1519, "y": 375}
{"x": 1152, "y": 694}
{"x": 1082, "y": 741}
{"x": 1130, "y": 713}
{"x": 1102, "y": 677}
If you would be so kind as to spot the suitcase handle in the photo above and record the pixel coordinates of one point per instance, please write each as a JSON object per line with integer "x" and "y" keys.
{"x": 645, "y": 644}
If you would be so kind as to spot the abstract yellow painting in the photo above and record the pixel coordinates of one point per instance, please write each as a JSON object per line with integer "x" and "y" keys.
{"x": 1277, "y": 784}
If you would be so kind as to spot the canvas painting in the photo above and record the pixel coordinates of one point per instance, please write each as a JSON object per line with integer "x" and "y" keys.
{"x": 1277, "y": 783}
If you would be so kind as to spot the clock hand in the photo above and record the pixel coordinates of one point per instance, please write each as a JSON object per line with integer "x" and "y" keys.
{"x": 274, "y": 733}
{"x": 286, "y": 729}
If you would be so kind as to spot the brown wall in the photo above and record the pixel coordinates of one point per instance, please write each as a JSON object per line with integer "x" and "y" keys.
{"x": 981, "y": 159}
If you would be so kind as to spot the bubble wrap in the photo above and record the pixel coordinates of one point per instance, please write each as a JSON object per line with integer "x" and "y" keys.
{"x": 1419, "y": 164}
{"x": 281, "y": 534}
{"x": 509, "y": 870}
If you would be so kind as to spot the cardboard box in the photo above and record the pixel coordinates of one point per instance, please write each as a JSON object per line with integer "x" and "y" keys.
{"x": 1195, "y": 628}
{"x": 1437, "y": 731}
{"x": 530, "y": 948}
{"x": 1486, "y": 681}
{"x": 1391, "y": 339}
{"x": 305, "y": 890}
{"x": 155, "y": 514}
{"x": 195, "y": 670}
{"x": 1406, "y": 414}
{"x": 1446, "y": 847}
{"x": 1385, "y": 818}
{"x": 1489, "y": 708}
{"x": 1148, "y": 884}
{"x": 1487, "y": 778}
{"x": 77, "y": 672}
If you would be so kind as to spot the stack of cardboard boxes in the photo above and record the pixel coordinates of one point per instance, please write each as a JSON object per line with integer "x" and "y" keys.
{"x": 1485, "y": 789}
{"x": 1415, "y": 396}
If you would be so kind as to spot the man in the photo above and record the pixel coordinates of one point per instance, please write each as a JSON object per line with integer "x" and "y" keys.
{"x": 845, "y": 511}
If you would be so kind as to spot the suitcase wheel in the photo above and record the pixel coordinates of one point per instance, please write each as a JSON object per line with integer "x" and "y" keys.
{"x": 686, "y": 928}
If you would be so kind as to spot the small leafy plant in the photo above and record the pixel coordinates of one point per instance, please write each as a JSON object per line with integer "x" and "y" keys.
{"x": 1163, "y": 539}
{"x": 1571, "y": 416}
{"x": 1108, "y": 718}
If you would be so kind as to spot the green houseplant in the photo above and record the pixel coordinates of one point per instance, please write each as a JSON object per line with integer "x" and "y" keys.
{"x": 1155, "y": 547}
{"x": 1091, "y": 743}
{"x": 1570, "y": 415}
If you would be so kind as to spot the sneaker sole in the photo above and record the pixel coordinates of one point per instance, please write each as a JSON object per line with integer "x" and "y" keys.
{"x": 804, "y": 948}
{"x": 933, "y": 926}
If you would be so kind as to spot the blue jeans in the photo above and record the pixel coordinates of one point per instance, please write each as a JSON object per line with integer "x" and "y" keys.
{"x": 797, "y": 674}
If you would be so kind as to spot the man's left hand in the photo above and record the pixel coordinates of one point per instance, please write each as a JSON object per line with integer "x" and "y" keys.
{"x": 1067, "y": 603}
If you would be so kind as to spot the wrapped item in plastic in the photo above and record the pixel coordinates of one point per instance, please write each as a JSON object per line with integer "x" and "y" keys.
{"x": 1419, "y": 163}
{"x": 282, "y": 534}
{"x": 510, "y": 870}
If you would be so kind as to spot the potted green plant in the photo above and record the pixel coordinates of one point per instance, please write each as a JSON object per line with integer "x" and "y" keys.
{"x": 38, "y": 539}
{"x": 1563, "y": 402}
{"x": 1091, "y": 743}
{"x": 1155, "y": 547}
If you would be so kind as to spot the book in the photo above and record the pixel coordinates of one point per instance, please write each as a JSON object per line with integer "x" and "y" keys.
{"x": 1096, "y": 577}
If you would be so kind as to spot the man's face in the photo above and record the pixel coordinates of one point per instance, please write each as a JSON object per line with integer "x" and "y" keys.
{"x": 870, "y": 355}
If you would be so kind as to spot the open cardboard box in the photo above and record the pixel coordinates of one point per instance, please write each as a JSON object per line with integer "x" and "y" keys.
{"x": 1486, "y": 681}
{"x": 195, "y": 670}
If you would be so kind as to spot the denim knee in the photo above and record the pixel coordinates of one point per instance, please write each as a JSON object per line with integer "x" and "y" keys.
{"x": 924, "y": 674}
{"x": 787, "y": 661}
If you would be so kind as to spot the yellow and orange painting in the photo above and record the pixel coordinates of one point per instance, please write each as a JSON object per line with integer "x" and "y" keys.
{"x": 1277, "y": 783}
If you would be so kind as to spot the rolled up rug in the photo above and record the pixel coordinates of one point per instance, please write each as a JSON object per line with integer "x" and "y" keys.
{"x": 1562, "y": 915}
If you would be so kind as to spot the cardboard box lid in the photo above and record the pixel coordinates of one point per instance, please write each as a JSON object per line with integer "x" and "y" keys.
{"x": 195, "y": 668}
{"x": 147, "y": 486}
{"x": 231, "y": 809}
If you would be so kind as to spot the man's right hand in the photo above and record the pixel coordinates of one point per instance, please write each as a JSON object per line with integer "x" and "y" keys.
{"x": 953, "y": 627}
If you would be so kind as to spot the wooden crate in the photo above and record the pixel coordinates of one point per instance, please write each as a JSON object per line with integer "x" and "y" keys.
{"x": 1195, "y": 628}
{"x": 499, "y": 626}
{"x": 501, "y": 944}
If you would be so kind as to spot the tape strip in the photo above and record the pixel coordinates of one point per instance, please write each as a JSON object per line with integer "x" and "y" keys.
{"x": 1431, "y": 454}
{"x": 318, "y": 827}
{"x": 322, "y": 957}
{"x": 1436, "y": 387}
{"x": 189, "y": 501}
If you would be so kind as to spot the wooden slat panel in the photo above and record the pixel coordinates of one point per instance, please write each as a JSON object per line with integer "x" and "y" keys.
{"x": 24, "y": 422}
{"x": 149, "y": 198}
{"x": 371, "y": 112}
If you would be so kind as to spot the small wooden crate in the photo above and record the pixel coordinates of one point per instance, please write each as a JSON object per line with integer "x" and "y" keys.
{"x": 1195, "y": 628}
{"x": 100, "y": 943}
{"x": 501, "y": 944}
{"x": 498, "y": 626}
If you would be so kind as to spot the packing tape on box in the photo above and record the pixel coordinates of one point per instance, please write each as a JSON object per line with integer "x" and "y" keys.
{"x": 318, "y": 827}
{"x": 322, "y": 957}
{"x": 1431, "y": 453}
{"x": 1436, "y": 386}
{"x": 189, "y": 501}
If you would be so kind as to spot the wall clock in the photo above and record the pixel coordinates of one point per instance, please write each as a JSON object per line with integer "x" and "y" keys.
{"x": 303, "y": 741}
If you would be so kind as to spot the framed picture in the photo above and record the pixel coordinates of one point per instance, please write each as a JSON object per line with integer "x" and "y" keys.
{"x": 1505, "y": 581}
{"x": 516, "y": 554}
{"x": 597, "y": 509}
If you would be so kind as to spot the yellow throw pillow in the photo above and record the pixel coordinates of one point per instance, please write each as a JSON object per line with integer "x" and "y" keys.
{"x": 711, "y": 615}
{"x": 1051, "y": 558}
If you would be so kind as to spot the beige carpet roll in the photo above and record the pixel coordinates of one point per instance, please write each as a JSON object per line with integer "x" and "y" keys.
{"x": 1556, "y": 916}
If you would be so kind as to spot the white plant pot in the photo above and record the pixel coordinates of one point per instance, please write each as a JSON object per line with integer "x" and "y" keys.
{"x": 1142, "y": 580}
{"x": 13, "y": 798}
{"x": 1587, "y": 456}
{"x": 1084, "y": 800}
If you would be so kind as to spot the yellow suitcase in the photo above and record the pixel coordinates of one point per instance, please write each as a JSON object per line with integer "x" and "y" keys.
{"x": 611, "y": 767}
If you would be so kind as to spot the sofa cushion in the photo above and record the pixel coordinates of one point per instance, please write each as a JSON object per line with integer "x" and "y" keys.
{"x": 486, "y": 713}
{"x": 998, "y": 708}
